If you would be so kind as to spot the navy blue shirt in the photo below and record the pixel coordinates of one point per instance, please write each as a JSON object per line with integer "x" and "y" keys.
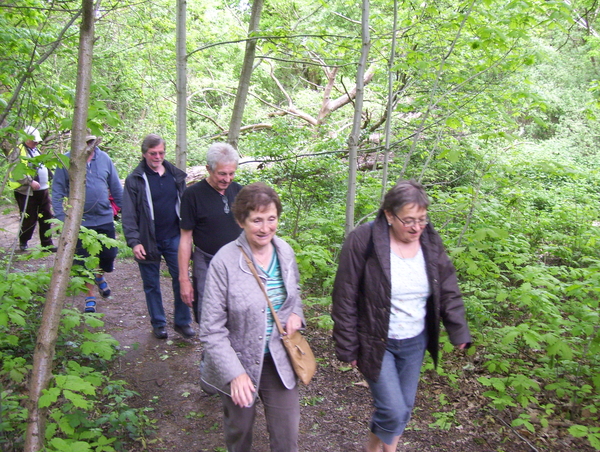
{"x": 164, "y": 200}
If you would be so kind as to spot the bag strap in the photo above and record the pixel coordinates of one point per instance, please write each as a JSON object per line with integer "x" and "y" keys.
{"x": 262, "y": 286}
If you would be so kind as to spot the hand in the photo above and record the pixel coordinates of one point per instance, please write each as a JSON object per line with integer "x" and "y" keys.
{"x": 353, "y": 363}
{"x": 241, "y": 390}
{"x": 139, "y": 252}
{"x": 35, "y": 185}
{"x": 293, "y": 324}
{"x": 462, "y": 346}
{"x": 187, "y": 291}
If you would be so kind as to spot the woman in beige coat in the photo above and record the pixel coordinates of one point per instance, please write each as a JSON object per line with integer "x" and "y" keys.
{"x": 243, "y": 354}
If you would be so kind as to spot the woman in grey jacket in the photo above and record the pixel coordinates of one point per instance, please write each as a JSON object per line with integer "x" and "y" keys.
{"x": 394, "y": 284}
{"x": 243, "y": 353}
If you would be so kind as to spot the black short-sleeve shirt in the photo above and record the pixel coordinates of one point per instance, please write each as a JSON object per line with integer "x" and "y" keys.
{"x": 203, "y": 210}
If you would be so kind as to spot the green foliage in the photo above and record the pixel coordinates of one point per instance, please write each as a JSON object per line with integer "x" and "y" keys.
{"x": 87, "y": 409}
{"x": 495, "y": 110}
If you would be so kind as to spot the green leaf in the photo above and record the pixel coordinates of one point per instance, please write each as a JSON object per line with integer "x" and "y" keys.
{"x": 578, "y": 431}
{"x": 78, "y": 400}
{"x": 75, "y": 383}
{"x": 48, "y": 397}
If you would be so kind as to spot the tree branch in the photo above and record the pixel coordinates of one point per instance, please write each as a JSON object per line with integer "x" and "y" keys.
{"x": 34, "y": 65}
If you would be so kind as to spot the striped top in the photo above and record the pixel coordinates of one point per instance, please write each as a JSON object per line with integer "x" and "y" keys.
{"x": 276, "y": 291}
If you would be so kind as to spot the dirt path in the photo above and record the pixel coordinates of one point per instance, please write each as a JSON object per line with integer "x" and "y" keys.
{"x": 336, "y": 407}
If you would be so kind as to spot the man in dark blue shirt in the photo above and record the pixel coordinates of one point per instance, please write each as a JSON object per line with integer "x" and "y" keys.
{"x": 151, "y": 225}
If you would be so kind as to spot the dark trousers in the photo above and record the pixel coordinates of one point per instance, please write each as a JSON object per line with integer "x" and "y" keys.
{"x": 150, "y": 272}
{"x": 199, "y": 272}
{"x": 106, "y": 255}
{"x": 38, "y": 210}
{"x": 282, "y": 412}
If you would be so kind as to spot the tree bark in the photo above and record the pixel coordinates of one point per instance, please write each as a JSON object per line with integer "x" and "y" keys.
{"x": 46, "y": 340}
{"x": 181, "y": 139}
{"x": 390, "y": 106}
{"x": 354, "y": 137}
{"x": 244, "y": 84}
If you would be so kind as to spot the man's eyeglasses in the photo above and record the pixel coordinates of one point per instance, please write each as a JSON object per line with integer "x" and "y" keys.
{"x": 226, "y": 203}
{"x": 412, "y": 222}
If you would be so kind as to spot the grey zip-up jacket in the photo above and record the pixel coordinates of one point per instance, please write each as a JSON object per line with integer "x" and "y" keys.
{"x": 101, "y": 181}
{"x": 362, "y": 296}
{"x": 234, "y": 317}
{"x": 138, "y": 211}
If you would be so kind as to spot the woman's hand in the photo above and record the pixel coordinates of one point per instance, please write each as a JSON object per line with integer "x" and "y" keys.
{"x": 241, "y": 390}
{"x": 293, "y": 324}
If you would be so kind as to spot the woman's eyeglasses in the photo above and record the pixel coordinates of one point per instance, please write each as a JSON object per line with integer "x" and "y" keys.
{"x": 412, "y": 222}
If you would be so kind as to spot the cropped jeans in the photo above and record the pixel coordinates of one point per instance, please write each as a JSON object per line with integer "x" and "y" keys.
{"x": 395, "y": 391}
{"x": 150, "y": 272}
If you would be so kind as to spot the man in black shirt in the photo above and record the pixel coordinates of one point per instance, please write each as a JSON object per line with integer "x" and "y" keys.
{"x": 207, "y": 221}
{"x": 151, "y": 225}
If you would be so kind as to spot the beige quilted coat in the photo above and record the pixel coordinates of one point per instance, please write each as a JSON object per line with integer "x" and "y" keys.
{"x": 234, "y": 317}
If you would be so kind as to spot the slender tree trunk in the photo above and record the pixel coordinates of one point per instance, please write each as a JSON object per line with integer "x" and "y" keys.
{"x": 390, "y": 106}
{"x": 181, "y": 140}
{"x": 354, "y": 137}
{"x": 244, "y": 85}
{"x": 434, "y": 90}
{"x": 46, "y": 340}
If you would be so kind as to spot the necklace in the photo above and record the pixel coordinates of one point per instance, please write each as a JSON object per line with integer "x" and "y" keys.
{"x": 264, "y": 258}
{"x": 410, "y": 249}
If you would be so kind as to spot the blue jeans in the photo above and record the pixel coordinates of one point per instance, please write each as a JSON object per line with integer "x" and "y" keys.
{"x": 395, "y": 391}
{"x": 150, "y": 272}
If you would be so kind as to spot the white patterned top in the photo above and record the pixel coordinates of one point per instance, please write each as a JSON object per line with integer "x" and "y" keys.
{"x": 410, "y": 290}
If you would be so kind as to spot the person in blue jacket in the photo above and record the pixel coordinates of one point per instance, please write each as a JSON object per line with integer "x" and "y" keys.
{"x": 102, "y": 181}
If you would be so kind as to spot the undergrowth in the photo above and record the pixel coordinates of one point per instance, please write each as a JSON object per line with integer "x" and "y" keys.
{"x": 87, "y": 408}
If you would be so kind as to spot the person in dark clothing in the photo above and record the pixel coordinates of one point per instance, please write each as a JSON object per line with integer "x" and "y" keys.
{"x": 207, "y": 221}
{"x": 393, "y": 286}
{"x": 32, "y": 196}
{"x": 150, "y": 215}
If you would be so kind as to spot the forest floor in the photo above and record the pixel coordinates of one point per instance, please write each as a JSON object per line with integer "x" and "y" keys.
{"x": 335, "y": 407}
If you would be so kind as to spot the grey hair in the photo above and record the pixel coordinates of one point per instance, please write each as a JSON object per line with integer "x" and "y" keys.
{"x": 403, "y": 193}
{"x": 151, "y": 141}
{"x": 222, "y": 153}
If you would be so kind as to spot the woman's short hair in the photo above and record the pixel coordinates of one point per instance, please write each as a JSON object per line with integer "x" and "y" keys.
{"x": 222, "y": 153}
{"x": 254, "y": 197}
{"x": 403, "y": 193}
{"x": 151, "y": 141}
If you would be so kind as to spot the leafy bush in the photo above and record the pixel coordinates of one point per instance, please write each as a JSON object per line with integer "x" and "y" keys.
{"x": 87, "y": 409}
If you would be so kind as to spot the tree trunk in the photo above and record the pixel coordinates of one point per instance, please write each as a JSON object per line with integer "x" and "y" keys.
{"x": 46, "y": 340}
{"x": 244, "y": 84}
{"x": 390, "y": 106}
{"x": 181, "y": 140}
{"x": 354, "y": 137}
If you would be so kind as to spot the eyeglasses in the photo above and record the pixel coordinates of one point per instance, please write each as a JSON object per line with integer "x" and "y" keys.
{"x": 412, "y": 222}
{"x": 226, "y": 204}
